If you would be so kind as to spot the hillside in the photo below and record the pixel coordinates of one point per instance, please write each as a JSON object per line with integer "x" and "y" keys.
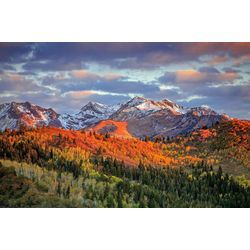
{"x": 225, "y": 144}
{"x": 28, "y": 185}
{"x": 54, "y": 167}
{"x": 113, "y": 128}
{"x": 84, "y": 145}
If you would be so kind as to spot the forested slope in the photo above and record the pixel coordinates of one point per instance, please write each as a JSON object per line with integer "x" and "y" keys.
{"x": 49, "y": 167}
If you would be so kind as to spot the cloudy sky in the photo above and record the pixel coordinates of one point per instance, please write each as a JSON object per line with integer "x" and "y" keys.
{"x": 65, "y": 76}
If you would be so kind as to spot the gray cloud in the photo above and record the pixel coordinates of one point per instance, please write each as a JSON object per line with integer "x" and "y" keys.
{"x": 51, "y": 70}
{"x": 57, "y": 65}
{"x": 192, "y": 78}
{"x": 17, "y": 83}
{"x": 209, "y": 70}
{"x": 98, "y": 83}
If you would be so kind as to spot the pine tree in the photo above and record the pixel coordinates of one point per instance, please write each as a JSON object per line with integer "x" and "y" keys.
{"x": 59, "y": 189}
{"x": 68, "y": 192}
{"x": 219, "y": 172}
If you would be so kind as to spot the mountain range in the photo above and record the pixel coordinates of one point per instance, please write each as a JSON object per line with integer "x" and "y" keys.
{"x": 138, "y": 117}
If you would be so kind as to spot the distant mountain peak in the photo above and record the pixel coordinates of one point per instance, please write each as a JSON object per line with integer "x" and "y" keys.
{"x": 90, "y": 114}
{"x": 91, "y": 103}
{"x": 94, "y": 106}
{"x": 136, "y": 101}
{"x": 139, "y": 107}
{"x": 13, "y": 114}
{"x": 138, "y": 98}
{"x": 143, "y": 116}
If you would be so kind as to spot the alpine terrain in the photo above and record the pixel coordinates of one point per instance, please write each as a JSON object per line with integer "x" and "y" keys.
{"x": 139, "y": 117}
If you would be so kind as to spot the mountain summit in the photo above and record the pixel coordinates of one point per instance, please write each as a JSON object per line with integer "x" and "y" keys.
{"x": 14, "y": 114}
{"x": 140, "y": 116}
{"x": 140, "y": 107}
{"x": 90, "y": 114}
{"x": 166, "y": 118}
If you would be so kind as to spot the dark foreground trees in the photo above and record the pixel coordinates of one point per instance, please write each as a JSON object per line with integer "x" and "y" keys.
{"x": 115, "y": 185}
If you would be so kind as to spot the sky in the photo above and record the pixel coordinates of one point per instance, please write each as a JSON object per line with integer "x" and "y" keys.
{"x": 66, "y": 76}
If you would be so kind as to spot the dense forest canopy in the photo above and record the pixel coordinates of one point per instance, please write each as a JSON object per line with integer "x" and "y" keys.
{"x": 50, "y": 167}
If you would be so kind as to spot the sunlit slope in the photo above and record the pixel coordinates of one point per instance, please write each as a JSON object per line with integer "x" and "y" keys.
{"x": 84, "y": 145}
{"x": 116, "y": 128}
{"x": 226, "y": 144}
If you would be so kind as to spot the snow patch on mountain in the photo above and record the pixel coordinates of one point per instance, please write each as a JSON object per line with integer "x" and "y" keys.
{"x": 90, "y": 114}
{"x": 139, "y": 107}
{"x": 13, "y": 114}
{"x": 143, "y": 116}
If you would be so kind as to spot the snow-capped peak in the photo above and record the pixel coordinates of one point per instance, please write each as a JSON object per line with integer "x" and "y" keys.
{"x": 139, "y": 107}
{"x": 96, "y": 108}
{"x": 13, "y": 114}
{"x": 136, "y": 101}
{"x": 89, "y": 114}
{"x": 143, "y": 115}
{"x": 94, "y": 105}
{"x": 147, "y": 104}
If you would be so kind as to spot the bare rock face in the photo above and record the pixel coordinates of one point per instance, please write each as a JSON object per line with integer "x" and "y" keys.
{"x": 141, "y": 116}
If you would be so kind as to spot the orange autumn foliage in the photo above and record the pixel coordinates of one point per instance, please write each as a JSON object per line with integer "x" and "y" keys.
{"x": 130, "y": 150}
{"x": 209, "y": 145}
{"x": 117, "y": 128}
